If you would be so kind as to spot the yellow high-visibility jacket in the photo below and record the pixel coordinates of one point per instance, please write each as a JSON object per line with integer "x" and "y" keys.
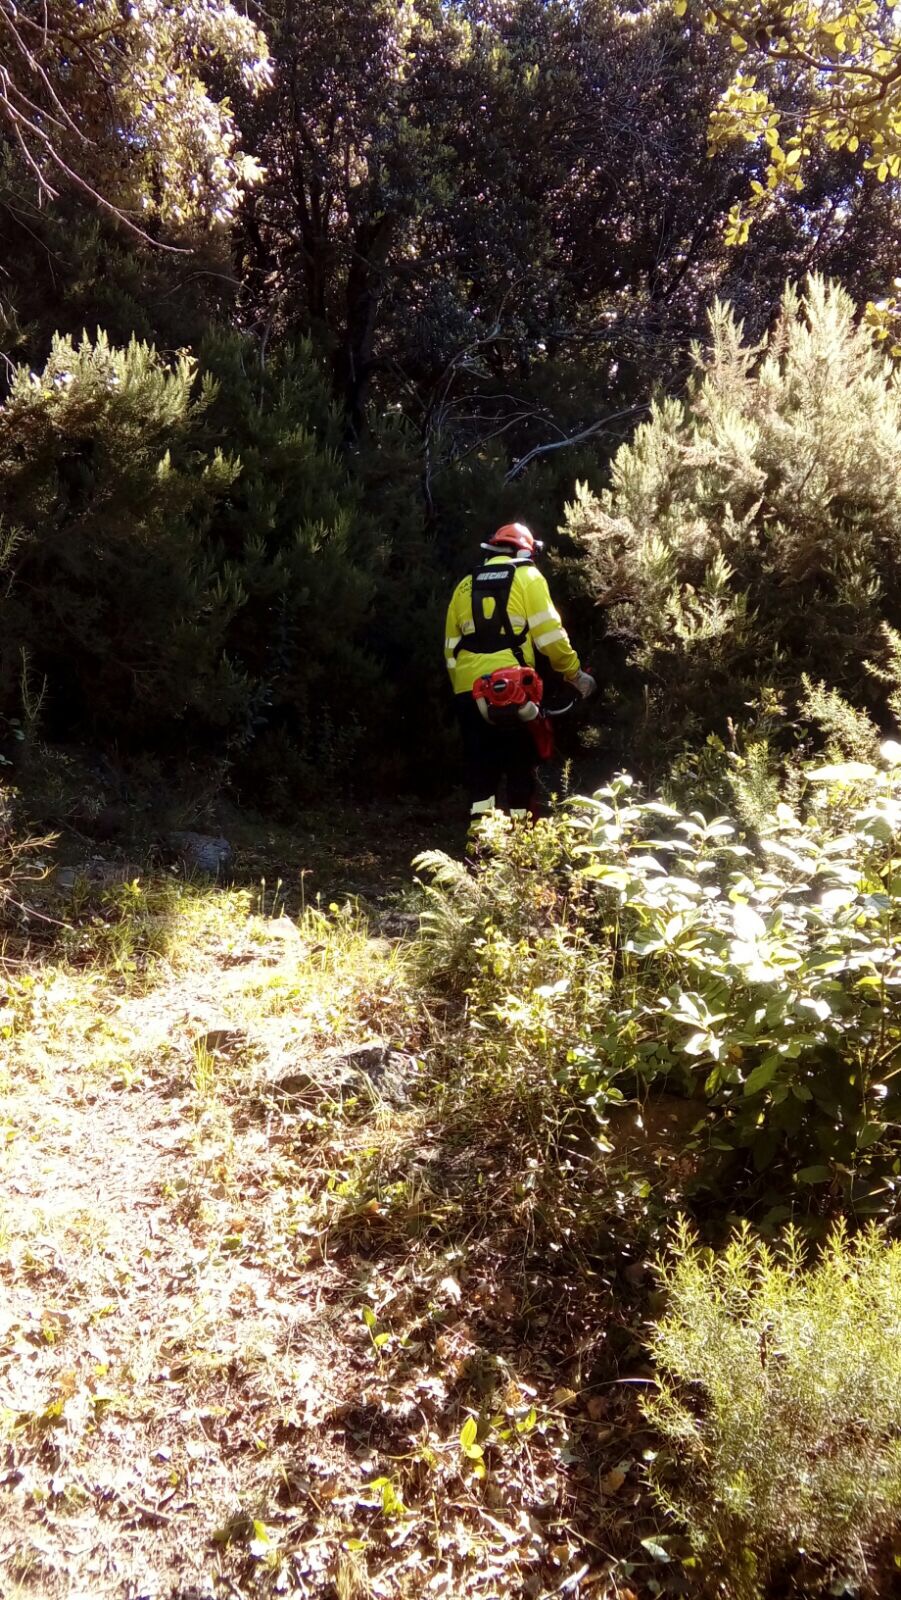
{"x": 530, "y": 605}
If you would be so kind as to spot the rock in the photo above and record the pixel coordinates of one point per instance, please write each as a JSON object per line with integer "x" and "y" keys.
{"x": 346, "y": 1072}
{"x": 201, "y": 852}
{"x": 369, "y": 1059}
{"x": 399, "y": 924}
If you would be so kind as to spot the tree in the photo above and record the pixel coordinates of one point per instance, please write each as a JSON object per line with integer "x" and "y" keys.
{"x": 119, "y": 102}
{"x": 751, "y": 538}
{"x": 351, "y": 135}
{"x": 501, "y": 221}
{"x": 809, "y": 75}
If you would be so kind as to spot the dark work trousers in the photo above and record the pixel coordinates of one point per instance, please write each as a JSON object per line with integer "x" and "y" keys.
{"x": 492, "y": 754}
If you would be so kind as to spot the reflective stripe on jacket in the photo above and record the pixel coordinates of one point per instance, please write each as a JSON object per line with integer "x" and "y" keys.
{"x": 530, "y": 606}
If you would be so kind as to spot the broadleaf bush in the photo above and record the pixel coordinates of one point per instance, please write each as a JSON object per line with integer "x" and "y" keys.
{"x": 625, "y": 945}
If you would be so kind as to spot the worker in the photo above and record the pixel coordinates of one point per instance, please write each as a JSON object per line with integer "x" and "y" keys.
{"x": 498, "y": 617}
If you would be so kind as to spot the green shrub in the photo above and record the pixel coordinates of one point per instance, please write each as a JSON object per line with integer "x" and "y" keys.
{"x": 625, "y": 944}
{"x": 752, "y": 533}
{"x": 512, "y": 946}
{"x": 779, "y": 1399}
{"x": 113, "y": 594}
{"x": 767, "y": 979}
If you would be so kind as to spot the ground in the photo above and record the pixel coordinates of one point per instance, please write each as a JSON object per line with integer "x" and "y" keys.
{"x": 276, "y": 1317}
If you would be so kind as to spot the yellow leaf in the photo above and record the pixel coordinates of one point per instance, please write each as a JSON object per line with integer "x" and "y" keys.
{"x": 468, "y": 1433}
{"x": 882, "y": 171}
{"x": 738, "y": 43}
{"x": 793, "y": 158}
{"x": 853, "y": 142}
{"x": 680, "y": 7}
{"x": 613, "y": 1481}
{"x": 563, "y": 1397}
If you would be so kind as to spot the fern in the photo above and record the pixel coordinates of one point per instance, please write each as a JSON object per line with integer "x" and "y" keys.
{"x": 445, "y": 872}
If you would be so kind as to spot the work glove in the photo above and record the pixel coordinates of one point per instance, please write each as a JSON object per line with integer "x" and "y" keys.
{"x": 584, "y": 683}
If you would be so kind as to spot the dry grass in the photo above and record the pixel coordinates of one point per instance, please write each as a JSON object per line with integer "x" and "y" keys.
{"x": 256, "y": 1286}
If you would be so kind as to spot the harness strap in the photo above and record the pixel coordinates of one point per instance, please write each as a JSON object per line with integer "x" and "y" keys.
{"x": 495, "y": 633}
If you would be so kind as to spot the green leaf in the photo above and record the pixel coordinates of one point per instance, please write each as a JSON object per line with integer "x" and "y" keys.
{"x": 468, "y": 1433}
{"x": 841, "y": 772}
{"x": 816, "y": 1174}
{"x": 261, "y": 1542}
{"x": 655, "y": 1550}
{"x": 762, "y": 1075}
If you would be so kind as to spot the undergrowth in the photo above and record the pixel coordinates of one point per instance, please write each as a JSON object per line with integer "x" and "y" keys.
{"x": 22, "y": 859}
{"x": 460, "y": 1150}
{"x": 779, "y": 1404}
{"x": 626, "y": 945}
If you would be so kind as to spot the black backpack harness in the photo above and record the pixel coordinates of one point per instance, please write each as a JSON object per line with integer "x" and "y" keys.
{"x": 495, "y": 633}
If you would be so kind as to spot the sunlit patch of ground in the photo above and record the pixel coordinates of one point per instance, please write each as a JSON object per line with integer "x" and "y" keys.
{"x": 271, "y": 1322}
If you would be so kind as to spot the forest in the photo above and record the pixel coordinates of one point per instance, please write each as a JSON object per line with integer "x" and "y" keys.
{"x": 390, "y": 1209}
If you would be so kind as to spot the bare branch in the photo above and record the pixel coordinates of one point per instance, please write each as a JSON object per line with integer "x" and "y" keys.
{"x": 7, "y": 13}
{"x": 590, "y": 432}
{"x": 20, "y": 121}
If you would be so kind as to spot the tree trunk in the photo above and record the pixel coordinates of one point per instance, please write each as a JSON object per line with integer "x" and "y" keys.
{"x": 372, "y": 243}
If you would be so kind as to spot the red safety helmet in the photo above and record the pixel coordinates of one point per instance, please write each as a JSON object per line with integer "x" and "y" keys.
{"x": 516, "y": 534}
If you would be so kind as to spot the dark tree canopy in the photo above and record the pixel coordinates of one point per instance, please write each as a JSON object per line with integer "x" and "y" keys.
{"x": 453, "y": 249}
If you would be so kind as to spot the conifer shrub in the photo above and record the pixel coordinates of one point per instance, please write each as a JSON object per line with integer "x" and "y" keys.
{"x": 114, "y": 594}
{"x": 779, "y": 1403}
{"x": 293, "y": 529}
{"x": 751, "y": 536}
{"x": 190, "y": 567}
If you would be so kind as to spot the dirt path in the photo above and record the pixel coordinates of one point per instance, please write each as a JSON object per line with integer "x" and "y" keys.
{"x": 86, "y": 1262}
{"x": 253, "y": 1302}
{"x": 154, "y": 1328}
